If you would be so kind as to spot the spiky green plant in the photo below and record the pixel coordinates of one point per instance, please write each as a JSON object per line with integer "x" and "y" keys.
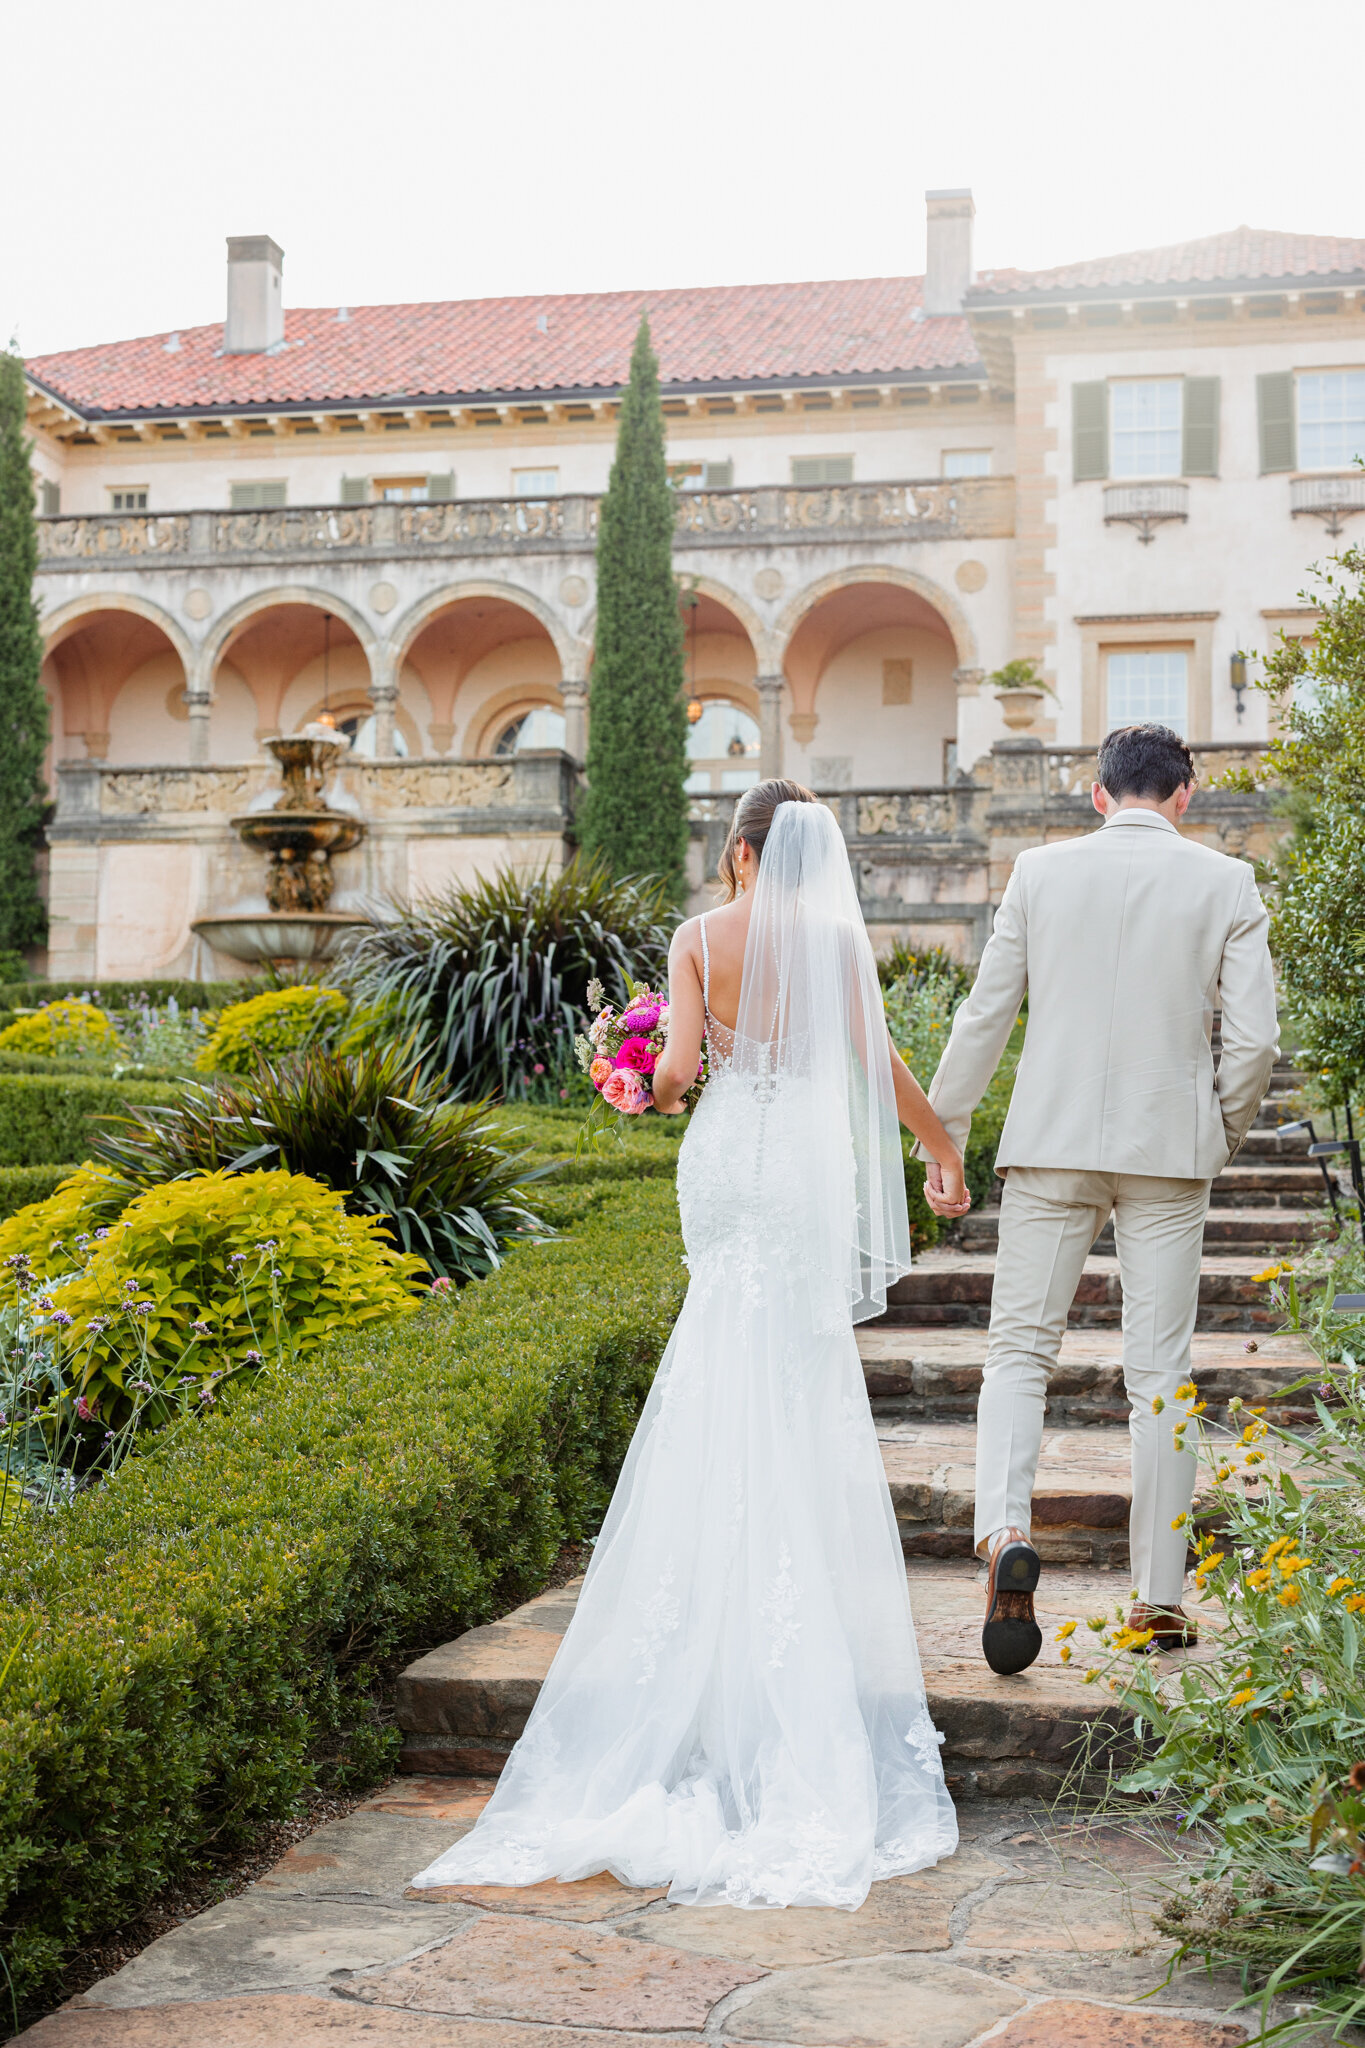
{"x": 372, "y": 1125}
{"x": 492, "y": 977}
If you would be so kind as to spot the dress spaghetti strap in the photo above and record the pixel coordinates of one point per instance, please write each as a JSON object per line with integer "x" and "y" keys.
{"x": 705, "y": 967}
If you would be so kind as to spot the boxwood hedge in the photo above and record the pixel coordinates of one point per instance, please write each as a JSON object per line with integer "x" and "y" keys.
{"x": 176, "y": 1645}
{"x": 21, "y": 1185}
{"x": 46, "y": 1117}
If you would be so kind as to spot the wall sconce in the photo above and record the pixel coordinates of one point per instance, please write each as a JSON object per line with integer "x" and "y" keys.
{"x": 1238, "y": 667}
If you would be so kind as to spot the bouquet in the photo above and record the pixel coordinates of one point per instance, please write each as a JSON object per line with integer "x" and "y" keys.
{"x": 623, "y": 1047}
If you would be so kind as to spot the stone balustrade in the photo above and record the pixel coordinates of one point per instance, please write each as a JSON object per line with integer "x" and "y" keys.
{"x": 968, "y": 507}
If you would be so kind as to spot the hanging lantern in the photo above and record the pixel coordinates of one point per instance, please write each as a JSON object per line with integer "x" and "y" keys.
{"x": 694, "y": 710}
{"x": 324, "y": 716}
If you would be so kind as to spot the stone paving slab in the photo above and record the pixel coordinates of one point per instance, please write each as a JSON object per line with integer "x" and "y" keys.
{"x": 1034, "y": 1935}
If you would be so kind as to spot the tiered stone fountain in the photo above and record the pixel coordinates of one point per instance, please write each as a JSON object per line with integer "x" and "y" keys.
{"x": 298, "y": 836}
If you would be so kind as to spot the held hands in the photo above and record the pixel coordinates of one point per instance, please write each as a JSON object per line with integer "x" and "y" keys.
{"x": 945, "y": 1189}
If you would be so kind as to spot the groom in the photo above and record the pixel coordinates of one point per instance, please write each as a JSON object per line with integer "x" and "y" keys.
{"x": 1125, "y": 941}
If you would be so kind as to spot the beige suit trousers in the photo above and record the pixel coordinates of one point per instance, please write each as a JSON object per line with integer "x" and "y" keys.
{"x": 1049, "y": 1218}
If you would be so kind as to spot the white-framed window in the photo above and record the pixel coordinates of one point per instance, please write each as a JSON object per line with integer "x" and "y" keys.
{"x": 822, "y": 469}
{"x": 541, "y": 727}
{"x": 535, "y": 483}
{"x": 1331, "y": 405}
{"x": 1145, "y": 419}
{"x": 966, "y": 462}
{"x": 722, "y": 748}
{"x": 1147, "y": 685}
{"x": 128, "y": 498}
{"x": 256, "y": 497}
{"x": 702, "y": 476}
{"x": 401, "y": 490}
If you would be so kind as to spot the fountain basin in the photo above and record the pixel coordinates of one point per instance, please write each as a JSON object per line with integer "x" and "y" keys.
{"x": 278, "y": 934}
{"x": 303, "y": 832}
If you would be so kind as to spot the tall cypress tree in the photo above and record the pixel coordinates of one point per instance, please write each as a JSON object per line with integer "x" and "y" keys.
{"x": 23, "y": 707}
{"x": 635, "y": 813}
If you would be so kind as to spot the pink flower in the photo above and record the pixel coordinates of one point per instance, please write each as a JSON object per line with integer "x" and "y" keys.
{"x": 84, "y": 1410}
{"x": 641, "y": 1017}
{"x": 440, "y": 1286}
{"x": 599, "y": 1071}
{"x": 635, "y": 1053}
{"x": 626, "y": 1091}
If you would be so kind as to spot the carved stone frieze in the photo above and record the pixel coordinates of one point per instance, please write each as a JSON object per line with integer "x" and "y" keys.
{"x": 161, "y": 792}
{"x": 430, "y": 786}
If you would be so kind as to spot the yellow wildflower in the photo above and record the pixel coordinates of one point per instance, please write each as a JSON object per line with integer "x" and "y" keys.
{"x": 1180, "y": 1521}
{"x": 1269, "y": 1273}
{"x": 1354, "y": 1602}
{"x": 1255, "y": 1457}
{"x": 1065, "y": 1653}
{"x": 1199, "y": 1407}
{"x": 1253, "y": 1431}
{"x": 1239, "y": 1699}
{"x": 1133, "y": 1638}
{"x": 1090, "y": 1676}
{"x": 1290, "y": 1596}
{"x": 1340, "y": 1585}
{"x": 1224, "y": 1472}
{"x": 1068, "y": 1628}
{"x": 1157, "y": 1404}
{"x": 1287, "y": 1566}
{"x": 1095, "y": 1622}
{"x": 1280, "y": 1543}
{"x": 1260, "y": 1580}
{"x": 1187, "y": 1392}
{"x": 1209, "y": 1564}
{"x": 1258, "y": 1411}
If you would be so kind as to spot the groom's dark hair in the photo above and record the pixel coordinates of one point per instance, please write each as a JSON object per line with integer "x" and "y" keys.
{"x": 1145, "y": 760}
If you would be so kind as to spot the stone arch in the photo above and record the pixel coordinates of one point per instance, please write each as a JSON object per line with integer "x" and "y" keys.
{"x": 933, "y": 594}
{"x": 496, "y": 712}
{"x": 762, "y": 639}
{"x": 226, "y": 629}
{"x": 406, "y": 630}
{"x": 96, "y": 645}
{"x": 273, "y": 665}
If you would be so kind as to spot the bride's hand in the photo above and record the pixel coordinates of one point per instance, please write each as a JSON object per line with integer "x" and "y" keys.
{"x": 945, "y": 1189}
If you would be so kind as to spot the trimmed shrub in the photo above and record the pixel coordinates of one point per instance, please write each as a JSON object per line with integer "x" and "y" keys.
{"x": 127, "y": 995}
{"x": 22, "y": 1186}
{"x": 202, "y": 1277}
{"x": 65, "y": 1029}
{"x": 372, "y": 1127}
{"x": 183, "y": 1638}
{"x": 45, "y": 1231}
{"x": 46, "y": 1118}
{"x": 492, "y": 979}
{"x": 282, "y": 1020}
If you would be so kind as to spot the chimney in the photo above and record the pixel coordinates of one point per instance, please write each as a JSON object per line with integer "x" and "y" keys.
{"x": 948, "y": 269}
{"x": 255, "y": 302}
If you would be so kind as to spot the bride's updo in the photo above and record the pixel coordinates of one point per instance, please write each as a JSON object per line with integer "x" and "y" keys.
{"x": 752, "y": 822}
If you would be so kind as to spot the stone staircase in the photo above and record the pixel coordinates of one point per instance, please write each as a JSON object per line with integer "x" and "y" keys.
{"x": 462, "y": 1706}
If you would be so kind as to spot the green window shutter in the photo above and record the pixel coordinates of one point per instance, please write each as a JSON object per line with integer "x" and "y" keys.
{"x": 1199, "y": 440}
{"x": 272, "y": 494}
{"x": 354, "y": 490}
{"x": 1089, "y": 431}
{"x": 1275, "y": 415}
{"x": 822, "y": 469}
{"x": 255, "y": 497}
{"x": 440, "y": 489}
{"x": 719, "y": 476}
{"x": 50, "y": 496}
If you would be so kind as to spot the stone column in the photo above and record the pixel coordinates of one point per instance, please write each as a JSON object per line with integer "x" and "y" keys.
{"x": 575, "y": 696}
{"x": 770, "y": 725}
{"x": 384, "y": 697}
{"x": 199, "y": 703}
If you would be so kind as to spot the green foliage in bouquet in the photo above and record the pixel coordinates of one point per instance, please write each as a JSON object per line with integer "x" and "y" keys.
{"x": 491, "y": 978}
{"x": 634, "y": 815}
{"x": 178, "y": 1288}
{"x": 67, "y": 1029}
{"x": 264, "y": 1027}
{"x": 393, "y": 1143}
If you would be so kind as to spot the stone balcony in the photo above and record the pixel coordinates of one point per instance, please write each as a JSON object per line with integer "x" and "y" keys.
{"x": 979, "y": 508}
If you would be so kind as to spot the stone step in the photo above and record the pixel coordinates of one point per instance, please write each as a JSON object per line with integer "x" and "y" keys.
{"x": 948, "y": 1286}
{"x": 934, "y": 1373}
{"x": 1264, "y": 1141}
{"x": 461, "y": 1707}
{"x": 1265, "y": 1231}
{"x": 1081, "y": 1500}
{"x": 1278, "y": 1184}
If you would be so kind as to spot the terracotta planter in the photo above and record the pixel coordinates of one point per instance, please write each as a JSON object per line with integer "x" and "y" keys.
{"x": 1020, "y": 708}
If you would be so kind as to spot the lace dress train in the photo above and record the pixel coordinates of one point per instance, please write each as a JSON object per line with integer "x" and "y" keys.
{"x": 737, "y": 1709}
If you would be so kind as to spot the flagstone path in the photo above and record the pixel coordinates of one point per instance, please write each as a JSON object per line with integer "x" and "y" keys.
{"x": 1031, "y": 1936}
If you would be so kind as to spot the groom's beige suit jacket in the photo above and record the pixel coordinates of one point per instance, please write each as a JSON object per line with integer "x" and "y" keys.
{"x": 1126, "y": 941}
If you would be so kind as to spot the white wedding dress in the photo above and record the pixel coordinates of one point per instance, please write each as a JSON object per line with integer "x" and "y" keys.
{"x": 737, "y": 1709}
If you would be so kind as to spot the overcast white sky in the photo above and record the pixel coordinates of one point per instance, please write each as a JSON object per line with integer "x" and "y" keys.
{"x": 433, "y": 149}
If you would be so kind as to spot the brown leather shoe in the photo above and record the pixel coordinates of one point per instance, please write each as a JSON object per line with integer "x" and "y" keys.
{"x": 1010, "y": 1636}
{"x": 1171, "y": 1627}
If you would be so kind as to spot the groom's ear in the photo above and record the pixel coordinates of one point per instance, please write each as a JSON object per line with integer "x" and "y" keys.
{"x": 1100, "y": 798}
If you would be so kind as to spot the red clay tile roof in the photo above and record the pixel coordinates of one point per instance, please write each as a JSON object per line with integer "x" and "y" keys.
{"x": 861, "y": 328}
{"x": 1242, "y": 256}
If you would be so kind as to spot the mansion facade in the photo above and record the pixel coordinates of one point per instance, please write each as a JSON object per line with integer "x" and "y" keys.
{"x": 886, "y": 489}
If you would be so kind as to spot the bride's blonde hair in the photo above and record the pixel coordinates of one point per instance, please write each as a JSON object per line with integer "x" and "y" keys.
{"x": 752, "y": 821}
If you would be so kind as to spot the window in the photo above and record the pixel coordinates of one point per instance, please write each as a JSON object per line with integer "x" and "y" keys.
{"x": 1145, "y": 427}
{"x": 255, "y": 497}
{"x": 702, "y": 476}
{"x": 539, "y": 728}
{"x": 722, "y": 748}
{"x": 131, "y": 499}
{"x": 1331, "y": 418}
{"x": 822, "y": 469}
{"x": 966, "y": 462}
{"x": 356, "y": 490}
{"x": 401, "y": 490}
{"x": 535, "y": 483}
{"x": 49, "y": 499}
{"x": 1148, "y": 684}
{"x": 362, "y": 730}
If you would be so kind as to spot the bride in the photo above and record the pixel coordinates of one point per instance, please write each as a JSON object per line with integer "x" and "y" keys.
{"x": 737, "y": 1709}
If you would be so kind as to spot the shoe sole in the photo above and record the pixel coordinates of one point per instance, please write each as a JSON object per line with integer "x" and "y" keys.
{"x": 1011, "y": 1638}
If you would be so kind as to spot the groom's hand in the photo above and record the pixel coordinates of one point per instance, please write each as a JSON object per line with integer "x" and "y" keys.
{"x": 945, "y": 1189}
